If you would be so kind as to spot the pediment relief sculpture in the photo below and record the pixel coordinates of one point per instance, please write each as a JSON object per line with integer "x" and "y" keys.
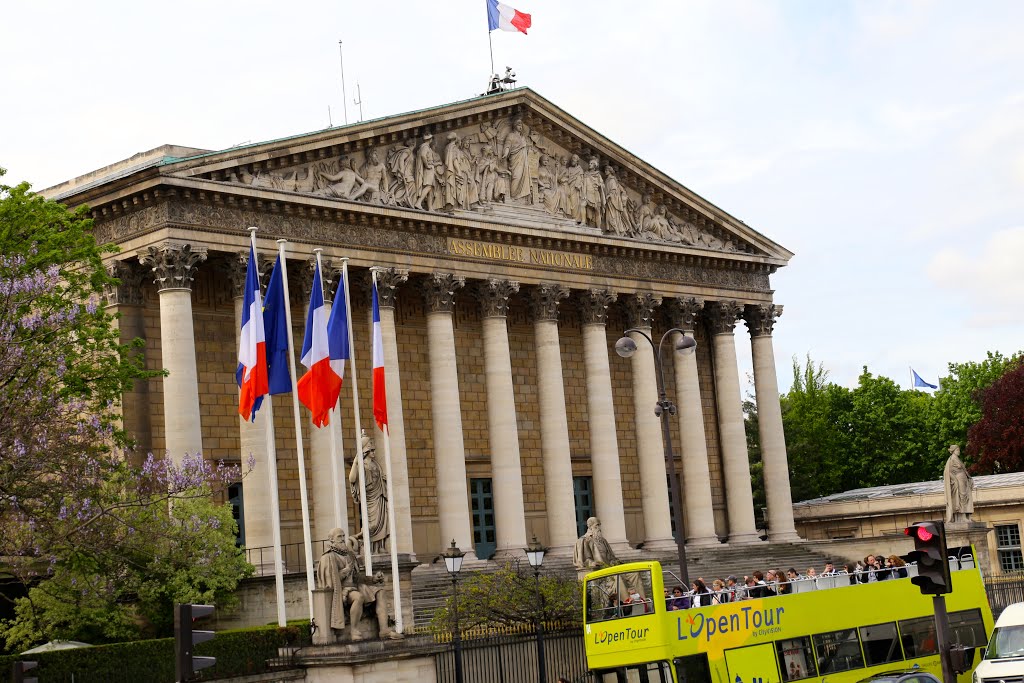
{"x": 493, "y": 166}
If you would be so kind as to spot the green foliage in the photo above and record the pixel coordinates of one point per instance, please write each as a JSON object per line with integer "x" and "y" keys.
{"x": 238, "y": 652}
{"x": 997, "y": 439}
{"x": 508, "y": 598}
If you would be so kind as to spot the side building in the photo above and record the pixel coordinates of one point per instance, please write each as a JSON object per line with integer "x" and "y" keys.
{"x": 516, "y": 244}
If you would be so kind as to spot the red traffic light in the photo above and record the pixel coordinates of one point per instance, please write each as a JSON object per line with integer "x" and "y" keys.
{"x": 922, "y": 533}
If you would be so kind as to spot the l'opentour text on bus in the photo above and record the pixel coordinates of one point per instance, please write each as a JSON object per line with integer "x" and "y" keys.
{"x": 838, "y": 632}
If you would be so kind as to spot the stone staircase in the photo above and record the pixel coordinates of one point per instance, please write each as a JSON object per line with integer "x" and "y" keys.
{"x": 431, "y": 584}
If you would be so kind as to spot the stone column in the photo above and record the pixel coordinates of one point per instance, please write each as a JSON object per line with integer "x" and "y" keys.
{"x": 760, "y": 320}
{"x": 721, "y": 317}
{"x": 256, "y": 495}
{"x": 126, "y": 299}
{"x": 650, "y": 448}
{"x": 174, "y": 267}
{"x": 509, "y": 511}
{"x": 700, "y": 516}
{"x": 449, "y": 447}
{"x": 388, "y": 281}
{"x": 604, "y": 442}
{"x": 554, "y": 423}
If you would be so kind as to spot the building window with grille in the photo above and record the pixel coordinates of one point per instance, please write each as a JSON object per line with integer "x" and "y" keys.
{"x": 1008, "y": 544}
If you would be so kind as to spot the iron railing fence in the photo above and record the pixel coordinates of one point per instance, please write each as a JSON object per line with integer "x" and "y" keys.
{"x": 512, "y": 658}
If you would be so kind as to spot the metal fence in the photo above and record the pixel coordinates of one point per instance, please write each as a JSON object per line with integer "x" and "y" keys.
{"x": 1004, "y": 590}
{"x": 292, "y": 554}
{"x": 513, "y": 658}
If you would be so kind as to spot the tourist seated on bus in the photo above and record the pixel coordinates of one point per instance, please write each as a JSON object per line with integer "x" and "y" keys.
{"x": 867, "y": 572}
{"x": 899, "y": 567}
{"x": 812, "y": 573}
{"x": 701, "y": 596}
{"x": 829, "y": 570}
{"x": 679, "y": 599}
{"x": 719, "y": 592}
{"x": 735, "y": 588}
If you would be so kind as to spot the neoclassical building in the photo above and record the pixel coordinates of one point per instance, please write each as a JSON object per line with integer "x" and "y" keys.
{"x": 516, "y": 245}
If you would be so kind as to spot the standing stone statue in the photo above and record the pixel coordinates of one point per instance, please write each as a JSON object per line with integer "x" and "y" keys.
{"x": 458, "y": 167}
{"x": 573, "y": 183}
{"x": 517, "y": 153}
{"x": 375, "y": 173}
{"x": 959, "y": 488}
{"x": 426, "y": 169}
{"x": 593, "y": 195}
{"x": 339, "y": 571}
{"x": 616, "y": 209}
{"x": 401, "y": 162}
{"x": 376, "y": 495}
{"x": 592, "y": 549}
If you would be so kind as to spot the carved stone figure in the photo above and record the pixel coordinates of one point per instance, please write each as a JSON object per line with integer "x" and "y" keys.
{"x": 376, "y": 495}
{"x": 593, "y": 195}
{"x": 551, "y": 194}
{"x": 517, "y": 153}
{"x": 458, "y": 168}
{"x": 572, "y": 181}
{"x": 375, "y": 173}
{"x": 474, "y": 187}
{"x": 616, "y": 208}
{"x": 959, "y": 488}
{"x": 592, "y": 549}
{"x": 426, "y": 168}
{"x": 345, "y": 184}
{"x": 401, "y": 165}
{"x": 685, "y": 232}
{"x": 657, "y": 227}
{"x": 644, "y": 213}
{"x": 339, "y": 571}
{"x": 487, "y": 177}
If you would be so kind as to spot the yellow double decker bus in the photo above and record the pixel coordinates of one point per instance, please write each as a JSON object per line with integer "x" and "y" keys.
{"x": 837, "y": 632}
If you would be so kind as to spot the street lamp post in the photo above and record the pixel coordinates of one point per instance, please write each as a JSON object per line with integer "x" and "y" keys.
{"x": 535, "y": 554}
{"x": 665, "y": 409}
{"x": 453, "y": 563}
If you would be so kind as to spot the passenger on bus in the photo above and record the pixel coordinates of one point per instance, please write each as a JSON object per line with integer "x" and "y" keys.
{"x": 701, "y": 594}
{"x": 719, "y": 593}
{"x": 679, "y": 599}
{"x": 899, "y": 566}
{"x": 733, "y": 585}
{"x": 829, "y": 570}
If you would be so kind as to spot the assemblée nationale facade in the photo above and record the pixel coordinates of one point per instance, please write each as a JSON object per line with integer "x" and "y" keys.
{"x": 516, "y": 244}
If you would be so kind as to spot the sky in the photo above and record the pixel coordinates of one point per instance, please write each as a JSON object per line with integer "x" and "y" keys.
{"x": 881, "y": 142}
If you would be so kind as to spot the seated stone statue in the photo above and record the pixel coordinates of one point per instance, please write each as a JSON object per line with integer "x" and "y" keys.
{"x": 592, "y": 549}
{"x": 339, "y": 570}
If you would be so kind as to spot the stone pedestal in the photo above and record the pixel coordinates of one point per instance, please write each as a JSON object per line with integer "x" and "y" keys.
{"x": 324, "y": 634}
{"x": 971, "y": 533}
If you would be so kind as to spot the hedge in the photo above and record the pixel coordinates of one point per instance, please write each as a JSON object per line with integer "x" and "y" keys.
{"x": 238, "y": 652}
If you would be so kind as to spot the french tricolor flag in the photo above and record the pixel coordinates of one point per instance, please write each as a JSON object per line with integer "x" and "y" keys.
{"x": 500, "y": 15}
{"x": 320, "y": 387}
{"x": 380, "y": 397}
{"x": 252, "y": 348}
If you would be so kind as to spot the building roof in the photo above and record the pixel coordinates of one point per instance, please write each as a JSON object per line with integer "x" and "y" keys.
{"x": 987, "y": 481}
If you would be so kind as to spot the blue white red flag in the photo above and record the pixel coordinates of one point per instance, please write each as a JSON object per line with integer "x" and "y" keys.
{"x": 500, "y": 15}
{"x": 252, "y": 346}
{"x": 380, "y": 398}
{"x": 918, "y": 382}
{"x": 275, "y": 326}
{"x": 320, "y": 386}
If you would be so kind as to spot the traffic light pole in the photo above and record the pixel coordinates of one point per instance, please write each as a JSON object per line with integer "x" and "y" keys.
{"x": 942, "y": 637}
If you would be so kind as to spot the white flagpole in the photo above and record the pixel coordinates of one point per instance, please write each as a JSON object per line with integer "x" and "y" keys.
{"x": 275, "y": 505}
{"x": 330, "y": 427}
{"x": 392, "y": 533}
{"x": 364, "y": 514}
{"x": 303, "y": 496}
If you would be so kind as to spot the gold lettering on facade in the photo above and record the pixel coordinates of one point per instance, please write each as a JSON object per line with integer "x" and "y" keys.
{"x": 501, "y": 252}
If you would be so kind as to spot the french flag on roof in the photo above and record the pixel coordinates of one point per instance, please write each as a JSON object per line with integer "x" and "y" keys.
{"x": 380, "y": 397}
{"x": 500, "y": 15}
{"x": 252, "y": 347}
{"x": 320, "y": 387}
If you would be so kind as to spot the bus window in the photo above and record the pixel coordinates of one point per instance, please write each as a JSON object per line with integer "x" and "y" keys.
{"x": 966, "y": 628}
{"x": 651, "y": 672}
{"x": 796, "y": 658}
{"x": 837, "y": 651}
{"x": 918, "y": 637}
{"x": 881, "y": 644}
{"x": 622, "y": 595}
{"x": 693, "y": 669}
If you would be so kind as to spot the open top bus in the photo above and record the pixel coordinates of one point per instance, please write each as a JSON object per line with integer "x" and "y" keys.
{"x": 833, "y": 631}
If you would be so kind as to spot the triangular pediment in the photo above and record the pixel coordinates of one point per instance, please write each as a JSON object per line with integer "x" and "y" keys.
{"x": 513, "y": 157}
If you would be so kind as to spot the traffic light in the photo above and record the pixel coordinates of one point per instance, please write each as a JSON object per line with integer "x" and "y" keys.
{"x": 186, "y": 638}
{"x": 930, "y": 555}
{"x": 18, "y": 672}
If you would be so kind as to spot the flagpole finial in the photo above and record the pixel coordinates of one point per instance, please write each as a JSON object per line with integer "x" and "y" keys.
{"x": 344, "y": 259}
{"x": 282, "y": 241}
{"x": 252, "y": 229}
{"x": 318, "y": 250}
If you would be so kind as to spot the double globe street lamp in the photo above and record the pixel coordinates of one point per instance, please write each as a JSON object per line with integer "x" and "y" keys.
{"x": 665, "y": 409}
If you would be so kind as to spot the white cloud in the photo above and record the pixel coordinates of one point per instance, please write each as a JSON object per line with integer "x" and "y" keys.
{"x": 991, "y": 278}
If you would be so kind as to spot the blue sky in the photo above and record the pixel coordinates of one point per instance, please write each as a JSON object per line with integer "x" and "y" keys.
{"x": 882, "y": 142}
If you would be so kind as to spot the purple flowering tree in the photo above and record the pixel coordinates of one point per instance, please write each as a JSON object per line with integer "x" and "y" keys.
{"x": 105, "y": 547}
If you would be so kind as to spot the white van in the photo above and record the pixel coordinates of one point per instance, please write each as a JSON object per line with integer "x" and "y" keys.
{"x": 1004, "y": 657}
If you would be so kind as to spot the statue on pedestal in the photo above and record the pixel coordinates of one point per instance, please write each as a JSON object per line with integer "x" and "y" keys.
{"x": 593, "y": 550}
{"x": 959, "y": 488}
{"x": 376, "y": 495}
{"x": 339, "y": 571}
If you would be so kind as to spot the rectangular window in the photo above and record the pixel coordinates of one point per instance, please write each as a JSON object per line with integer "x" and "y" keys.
{"x": 837, "y": 651}
{"x": 796, "y": 658}
{"x": 966, "y": 628}
{"x": 237, "y": 512}
{"x": 1008, "y": 543}
{"x": 619, "y": 596}
{"x": 481, "y": 502}
{"x": 653, "y": 672}
{"x": 918, "y": 637}
{"x": 693, "y": 669}
{"x": 881, "y": 645}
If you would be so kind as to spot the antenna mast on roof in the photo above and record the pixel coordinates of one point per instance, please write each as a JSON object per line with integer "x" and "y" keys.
{"x": 359, "y": 100}
{"x": 344, "y": 97}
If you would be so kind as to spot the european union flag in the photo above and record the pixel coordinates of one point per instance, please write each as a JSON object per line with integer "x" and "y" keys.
{"x": 918, "y": 382}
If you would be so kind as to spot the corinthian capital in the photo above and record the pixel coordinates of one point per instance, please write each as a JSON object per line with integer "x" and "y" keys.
{"x": 683, "y": 312}
{"x": 388, "y": 281}
{"x": 327, "y": 271}
{"x": 544, "y": 300}
{"x": 760, "y": 318}
{"x": 173, "y": 265}
{"x": 722, "y": 316}
{"x": 594, "y": 305}
{"x": 439, "y": 290}
{"x": 493, "y": 295}
{"x": 235, "y": 267}
{"x": 129, "y": 292}
{"x": 640, "y": 308}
